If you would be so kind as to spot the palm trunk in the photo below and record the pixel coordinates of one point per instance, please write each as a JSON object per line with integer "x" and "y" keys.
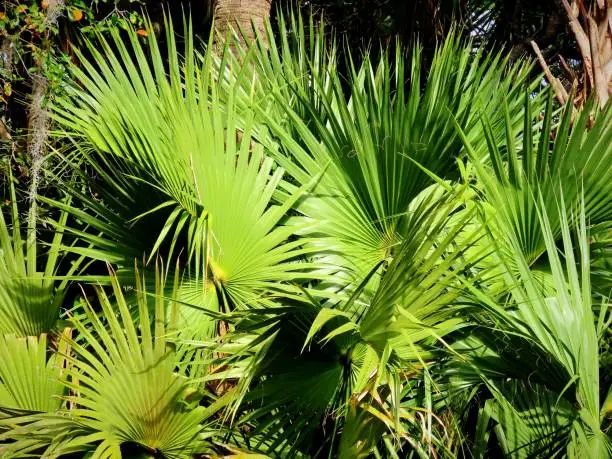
{"x": 246, "y": 17}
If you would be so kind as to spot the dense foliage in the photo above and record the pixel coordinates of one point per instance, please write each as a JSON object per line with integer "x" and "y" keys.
{"x": 246, "y": 253}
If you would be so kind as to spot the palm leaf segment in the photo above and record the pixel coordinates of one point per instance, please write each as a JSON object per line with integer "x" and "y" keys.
{"x": 214, "y": 189}
{"x": 32, "y": 386}
{"x": 29, "y": 298}
{"x": 565, "y": 164}
{"x": 29, "y": 382}
{"x": 128, "y": 391}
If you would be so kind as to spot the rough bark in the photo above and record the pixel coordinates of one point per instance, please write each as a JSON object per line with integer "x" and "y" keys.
{"x": 246, "y": 17}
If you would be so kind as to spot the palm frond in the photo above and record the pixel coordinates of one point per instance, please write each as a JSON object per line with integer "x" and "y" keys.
{"x": 215, "y": 192}
{"x": 373, "y": 149}
{"x": 123, "y": 381}
{"x": 30, "y": 298}
{"x": 560, "y": 325}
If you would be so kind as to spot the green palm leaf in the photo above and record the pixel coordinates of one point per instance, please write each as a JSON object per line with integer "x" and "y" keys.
{"x": 217, "y": 199}
{"x": 569, "y": 158}
{"x": 30, "y": 298}
{"x": 124, "y": 382}
{"x": 373, "y": 149}
{"x": 28, "y": 380}
{"x": 558, "y": 325}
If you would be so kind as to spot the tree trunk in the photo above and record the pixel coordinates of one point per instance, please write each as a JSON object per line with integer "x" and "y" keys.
{"x": 245, "y": 17}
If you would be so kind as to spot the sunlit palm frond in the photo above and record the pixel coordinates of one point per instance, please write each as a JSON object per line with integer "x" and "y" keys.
{"x": 373, "y": 135}
{"x": 32, "y": 386}
{"x": 568, "y": 161}
{"x": 123, "y": 382}
{"x": 215, "y": 193}
{"x": 29, "y": 381}
{"x": 311, "y": 362}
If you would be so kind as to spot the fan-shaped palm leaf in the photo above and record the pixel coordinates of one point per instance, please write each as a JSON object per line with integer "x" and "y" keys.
{"x": 558, "y": 326}
{"x": 218, "y": 197}
{"x": 373, "y": 149}
{"x": 570, "y": 158}
{"x": 124, "y": 385}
